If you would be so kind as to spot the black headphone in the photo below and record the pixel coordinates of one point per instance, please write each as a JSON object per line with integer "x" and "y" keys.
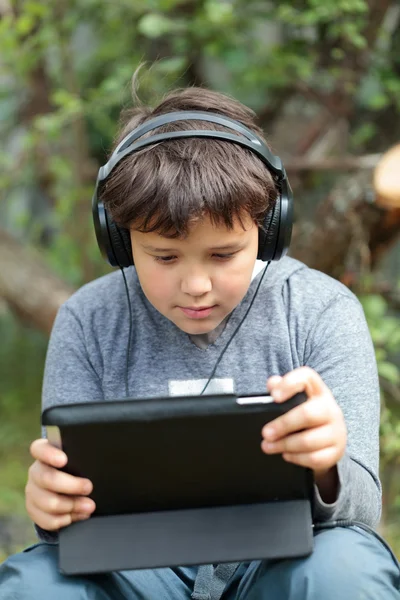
{"x": 274, "y": 235}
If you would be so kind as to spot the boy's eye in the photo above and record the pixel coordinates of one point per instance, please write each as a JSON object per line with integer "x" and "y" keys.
{"x": 170, "y": 259}
{"x": 164, "y": 259}
{"x": 224, "y": 256}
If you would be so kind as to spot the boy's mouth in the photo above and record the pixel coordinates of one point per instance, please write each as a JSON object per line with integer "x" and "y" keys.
{"x": 197, "y": 313}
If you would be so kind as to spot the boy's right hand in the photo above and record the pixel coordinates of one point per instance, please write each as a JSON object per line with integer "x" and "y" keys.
{"x": 55, "y": 499}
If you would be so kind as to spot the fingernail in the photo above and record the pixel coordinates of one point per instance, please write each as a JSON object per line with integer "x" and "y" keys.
{"x": 86, "y": 506}
{"x": 61, "y": 459}
{"x": 269, "y": 433}
{"x": 268, "y": 447}
{"x": 83, "y": 516}
{"x": 273, "y": 380}
{"x": 87, "y": 488}
{"x": 276, "y": 394}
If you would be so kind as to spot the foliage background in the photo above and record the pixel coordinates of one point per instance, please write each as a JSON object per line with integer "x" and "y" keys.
{"x": 65, "y": 71}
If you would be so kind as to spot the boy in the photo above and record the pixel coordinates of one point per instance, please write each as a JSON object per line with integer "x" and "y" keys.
{"x": 204, "y": 315}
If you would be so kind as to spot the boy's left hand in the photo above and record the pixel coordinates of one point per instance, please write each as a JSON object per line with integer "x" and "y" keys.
{"x": 312, "y": 434}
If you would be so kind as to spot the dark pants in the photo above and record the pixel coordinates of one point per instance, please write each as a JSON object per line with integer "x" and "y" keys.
{"x": 347, "y": 564}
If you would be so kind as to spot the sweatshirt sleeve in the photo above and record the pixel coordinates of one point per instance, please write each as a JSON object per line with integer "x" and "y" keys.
{"x": 70, "y": 374}
{"x": 340, "y": 349}
{"x": 73, "y": 368}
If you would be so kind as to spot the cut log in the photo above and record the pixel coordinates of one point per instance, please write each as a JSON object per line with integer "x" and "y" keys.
{"x": 387, "y": 179}
{"x": 351, "y": 232}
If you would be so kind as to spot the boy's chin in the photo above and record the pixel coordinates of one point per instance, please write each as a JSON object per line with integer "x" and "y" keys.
{"x": 198, "y": 328}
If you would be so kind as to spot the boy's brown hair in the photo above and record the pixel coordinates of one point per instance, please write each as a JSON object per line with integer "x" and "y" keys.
{"x": 168, "y": 186}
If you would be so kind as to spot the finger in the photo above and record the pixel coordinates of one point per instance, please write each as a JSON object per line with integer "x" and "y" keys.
{"x": 50, "y": 455}
{"x": 46, "y": 521}
{"x": 313, "y": 413}
{"x": 55, "y": 522}
{"x": 306, "y": 441}
{"x": 273, "y": 381}
{"x": 317, "y": 461}
{"x": 303, "y": 379}
{"x": 54, "y": 480}
{"x": 57, "y": 504}
{"x": 79, "y": 516}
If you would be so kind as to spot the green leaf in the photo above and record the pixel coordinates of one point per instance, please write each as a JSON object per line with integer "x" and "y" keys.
{"x": 172, "y": 65}
{"x": 374, "y": 306}
{"x": 389, "y": 371}
{"x": 380, "y": 354}
{"x": 338, "y": 53}
{"x": 364, "y": 133}
{"x": 38, "y": 9}
{"x": 218, "y": 13}
{"x": 24, "y": 24}
{"x": 378, "y": 101}
{"x": 154, "y": 25}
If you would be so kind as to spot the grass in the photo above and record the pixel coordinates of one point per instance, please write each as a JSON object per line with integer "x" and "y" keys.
{"x": 22, "y": 356}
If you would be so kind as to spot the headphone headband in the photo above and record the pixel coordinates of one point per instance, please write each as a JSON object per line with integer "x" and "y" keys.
{"x": 275, "y": 234}
{"x": 273, "y": 163}
{"x": 182, "y": 115}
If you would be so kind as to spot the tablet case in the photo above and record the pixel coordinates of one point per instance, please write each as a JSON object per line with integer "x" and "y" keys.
{"x": 180, "y": 481}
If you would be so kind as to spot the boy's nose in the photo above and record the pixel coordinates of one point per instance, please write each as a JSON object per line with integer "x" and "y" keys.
{"x": 196, "y": 285}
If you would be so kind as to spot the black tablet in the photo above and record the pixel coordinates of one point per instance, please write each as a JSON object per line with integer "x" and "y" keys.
{"x": 163, "y": 456}
{"x": 173, "y": 453}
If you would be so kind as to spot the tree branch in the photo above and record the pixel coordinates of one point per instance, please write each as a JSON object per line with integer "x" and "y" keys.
{"x": 344, "y": 163}
{"x": 28, "y": 286}
{"x": 349, "y": 234}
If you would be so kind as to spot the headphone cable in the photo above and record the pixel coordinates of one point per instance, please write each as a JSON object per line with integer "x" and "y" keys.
{"x": 236, "y": 330}
{"x": 129, "y": 334}
{"x": 220, "y": 356}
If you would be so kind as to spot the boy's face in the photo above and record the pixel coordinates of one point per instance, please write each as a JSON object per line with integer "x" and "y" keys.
{"x": 197, "y": 281}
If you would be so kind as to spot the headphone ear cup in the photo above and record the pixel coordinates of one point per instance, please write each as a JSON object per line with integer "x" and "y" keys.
{"x": 268, "y": 234}
{"x": 114, "y": 242}
{"x": 126, "y": 240}
{"x": 275, "y": 235}
{"x": 120, "y": 243}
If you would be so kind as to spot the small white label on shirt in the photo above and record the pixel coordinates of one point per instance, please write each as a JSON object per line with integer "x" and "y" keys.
{"x": 193, "y": 387}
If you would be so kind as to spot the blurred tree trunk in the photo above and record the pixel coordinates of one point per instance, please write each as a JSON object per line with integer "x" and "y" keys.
{"x": 352, "y": 232}
{"x": 28, "y": 286}
{"x": 349, "y": 235}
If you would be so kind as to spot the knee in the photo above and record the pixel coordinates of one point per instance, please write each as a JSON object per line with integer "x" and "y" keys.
{"x": 346, "y": 563}
{"x": 31, "y": 574}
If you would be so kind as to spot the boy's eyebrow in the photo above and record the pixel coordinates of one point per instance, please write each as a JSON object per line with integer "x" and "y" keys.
{"x": 236, "y": 246}
{"x": 154, "y": 249}
{"x": 226, "y": 247}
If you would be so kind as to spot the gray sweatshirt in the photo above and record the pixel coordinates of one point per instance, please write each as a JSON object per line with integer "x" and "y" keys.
{"x": 299, "y": 317}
